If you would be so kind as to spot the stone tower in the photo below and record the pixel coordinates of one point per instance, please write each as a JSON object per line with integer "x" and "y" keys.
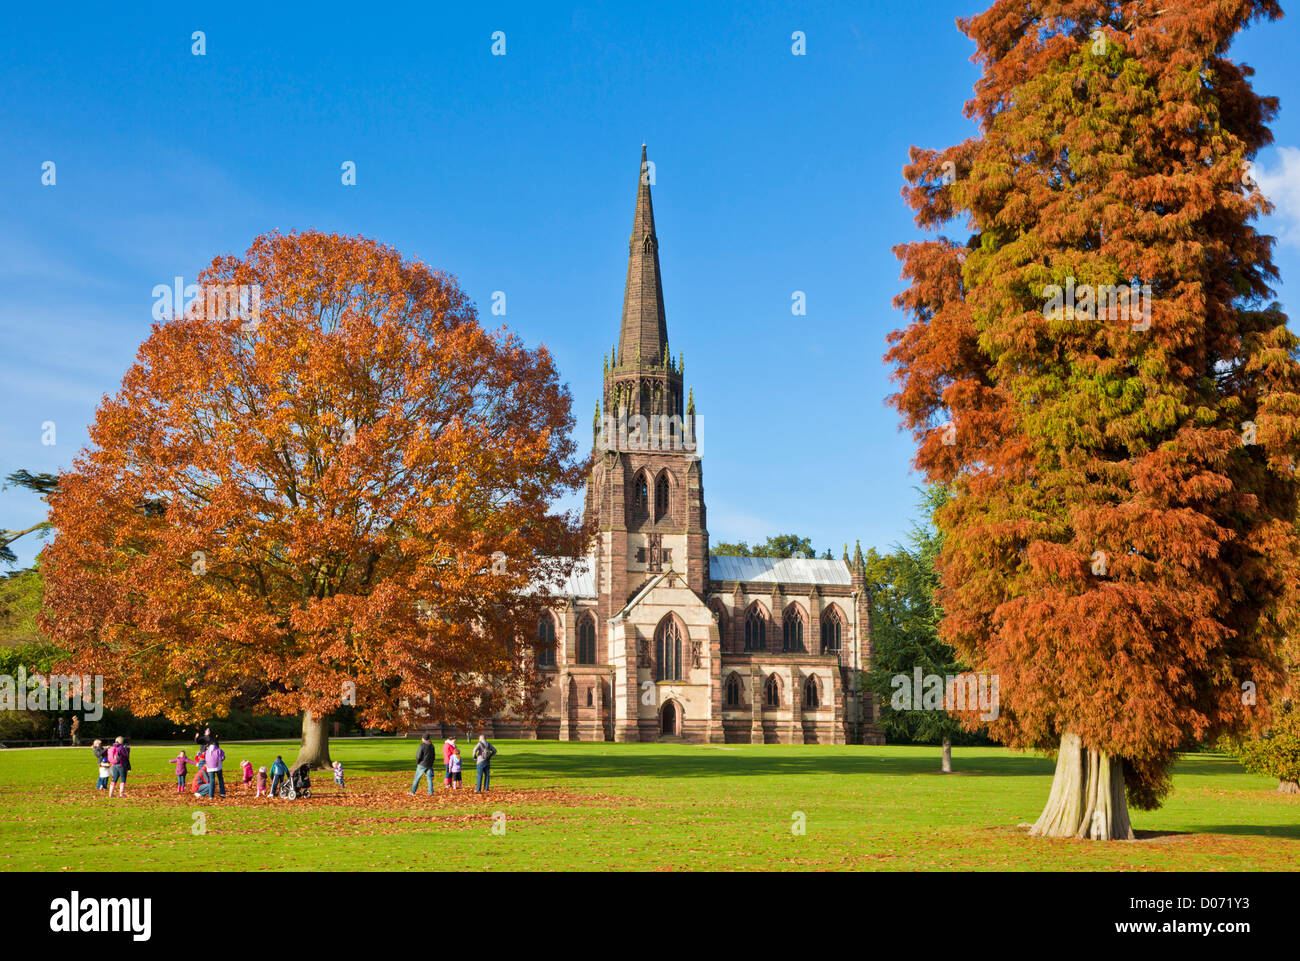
{"x": 645, "y": 496}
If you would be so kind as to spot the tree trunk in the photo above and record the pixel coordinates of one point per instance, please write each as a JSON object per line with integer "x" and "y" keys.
{"x": 315, "y": 744}
{"x": 1087, "y": 799}
{"x": 947, "y": 756}
{"x": 1287, "y": 787}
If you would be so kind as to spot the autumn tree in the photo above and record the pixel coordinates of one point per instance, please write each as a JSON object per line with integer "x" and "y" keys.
{"x": 335, "y": 488}
{"x": 1120, "y": 550}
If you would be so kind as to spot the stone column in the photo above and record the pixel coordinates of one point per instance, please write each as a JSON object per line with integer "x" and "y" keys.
{"x": 756, "y": 705}
{"x": 796, "y": 699}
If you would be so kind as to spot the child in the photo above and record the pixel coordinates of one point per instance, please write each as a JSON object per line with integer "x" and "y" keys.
{"x": 453, "y": 767}
{"x": 182, "y": 765}
{"x": 247, "y": 768}
{"x": 261, "y": 781}
{"x": 338, "y": 774}
{"x": 101, "y": 764}
{"x": 200, "y": 777}
{"x": 448, "y": 746}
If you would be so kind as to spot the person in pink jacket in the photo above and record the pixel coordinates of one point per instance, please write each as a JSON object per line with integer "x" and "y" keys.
{"x": 182, "y": 763}
{"x": 448, "y": 749}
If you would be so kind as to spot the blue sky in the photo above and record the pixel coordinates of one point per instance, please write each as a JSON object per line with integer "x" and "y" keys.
{"x": 774, "y": 173}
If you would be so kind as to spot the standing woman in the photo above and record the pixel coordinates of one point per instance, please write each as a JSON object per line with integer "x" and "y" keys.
{"x": 116, "y": 767}
{"x": 213, "y": 759}
{"x": 483, "y": 754}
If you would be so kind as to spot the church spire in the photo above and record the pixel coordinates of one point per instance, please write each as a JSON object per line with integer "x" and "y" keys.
{"x": 644, "y": 332}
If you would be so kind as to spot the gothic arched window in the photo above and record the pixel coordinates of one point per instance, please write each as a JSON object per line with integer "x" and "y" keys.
{"x": 792, "y": 630}
{"x": 546, "y": 641}
{"x": 640, "y": 497}
{"x": 772, "y": 692}
{"x": 733, "y": 690}
{"x": 832, "y": 632}
{"x": 586, "y": 640}
{"x": 812, "y": 697}
{"x": 668, "y": 651}
{"x": 755, "y": 630}
{"x": 661, "y": 496}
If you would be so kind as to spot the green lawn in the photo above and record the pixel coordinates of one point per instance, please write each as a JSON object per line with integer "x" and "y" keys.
{"x": 628, "y": 806}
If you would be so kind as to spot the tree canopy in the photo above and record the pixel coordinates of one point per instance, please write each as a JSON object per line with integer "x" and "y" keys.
{"x": 345, "y": 499}
{"x": 1121, "y": 546}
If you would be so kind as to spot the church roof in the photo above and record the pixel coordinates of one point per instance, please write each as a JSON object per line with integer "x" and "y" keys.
{"x": 644, "y": 332}
{"x": 785, "y": 570}
{"x": 581, "y": 581}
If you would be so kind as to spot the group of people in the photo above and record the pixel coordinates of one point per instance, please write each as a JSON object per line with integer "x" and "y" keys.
{"x": 426, "y": 758}
{"x": 112, "y": 762}
{"x": 61, "y": 730}
{"x": 209, "y": 775}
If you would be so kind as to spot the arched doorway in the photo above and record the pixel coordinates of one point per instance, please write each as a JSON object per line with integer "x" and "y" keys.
{"x": 670, "y": 720}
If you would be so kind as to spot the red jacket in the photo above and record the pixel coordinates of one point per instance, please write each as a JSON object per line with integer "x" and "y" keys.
{"x": 447, "y": 748}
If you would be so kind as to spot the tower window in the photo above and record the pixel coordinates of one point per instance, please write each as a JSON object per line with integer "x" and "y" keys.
{"x": 640, "y": 497}
{"x": 661, "y": 497}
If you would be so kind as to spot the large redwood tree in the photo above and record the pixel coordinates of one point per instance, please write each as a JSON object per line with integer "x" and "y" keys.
{"x": 1121, "y": 550}
{"x": 339, "y": 501}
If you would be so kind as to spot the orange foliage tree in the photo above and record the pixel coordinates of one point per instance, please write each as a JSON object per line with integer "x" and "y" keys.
{"x": 340, "y": 500}
{"x": 1121, "y": 550}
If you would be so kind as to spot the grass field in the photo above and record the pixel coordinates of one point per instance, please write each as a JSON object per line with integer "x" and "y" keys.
{"x": 580, "y": 806}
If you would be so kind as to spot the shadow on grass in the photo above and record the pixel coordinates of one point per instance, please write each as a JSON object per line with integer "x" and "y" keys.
{"x": 1289, "y": 831}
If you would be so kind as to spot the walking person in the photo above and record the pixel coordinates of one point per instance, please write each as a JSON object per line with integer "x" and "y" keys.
{"x": 483, "y": 754}
{"x": 425, "y": 759}
{"x": 76, "y": 726}
{"x": 279, "y": 771}
{"x": 61, "y": 731}
{"x": 212, "y": 762}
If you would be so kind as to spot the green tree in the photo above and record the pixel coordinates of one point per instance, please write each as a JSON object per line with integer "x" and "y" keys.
{"x": 782, "y": 545}
{"x": 20, "y": 603}
{"x": 1277, "y": 752}
{"x": 42, "y": 484}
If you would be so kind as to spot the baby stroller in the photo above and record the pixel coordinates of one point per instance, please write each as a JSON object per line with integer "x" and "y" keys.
{"x": 297, "y": 784}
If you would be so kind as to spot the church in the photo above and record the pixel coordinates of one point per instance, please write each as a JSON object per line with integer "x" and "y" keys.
{"x": 653, "y": 639}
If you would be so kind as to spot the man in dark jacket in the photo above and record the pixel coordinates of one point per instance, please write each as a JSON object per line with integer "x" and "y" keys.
{"x": 425, "y": 759}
